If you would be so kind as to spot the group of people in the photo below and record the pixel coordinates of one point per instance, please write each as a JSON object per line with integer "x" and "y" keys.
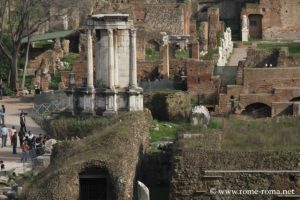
{"x": 30, "y": 145}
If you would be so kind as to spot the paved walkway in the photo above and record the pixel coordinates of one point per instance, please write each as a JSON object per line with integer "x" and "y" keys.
{"x": 13, "y": 107}
{"x": 237, "y": 55}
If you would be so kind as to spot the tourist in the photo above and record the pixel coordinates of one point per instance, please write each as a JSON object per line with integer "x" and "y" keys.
{"x": 21, "y": 135}
{"x": 4, "y": 133}
{"x": 3, "y": 114}
{"x": 23, "y": 121}
{"x": 39, "y": 145}
{"x": 25, "y": 149}
{"x": 14, "y": 141}
{"x": 30, "y": 135}
{"x": 1, "y": 119}
{"x": 12, "y": 132}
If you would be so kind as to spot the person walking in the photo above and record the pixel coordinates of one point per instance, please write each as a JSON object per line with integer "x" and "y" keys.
{"x": 21, "y": 135}
{"x": 12, "y": 131}
{"x": 4, "y": 133}
{"x": 25, "y": 149}
{"x": 23, "y": 121}
{"x": 3, "y": 114}
{"x": 14, "y": 142}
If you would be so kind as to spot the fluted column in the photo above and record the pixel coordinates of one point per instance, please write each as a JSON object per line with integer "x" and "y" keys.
{"x": 133, "y": 68}
{"x": 111, "y": 58}
{"x": 116, "y": 60}
{"x": 90, "y": 70}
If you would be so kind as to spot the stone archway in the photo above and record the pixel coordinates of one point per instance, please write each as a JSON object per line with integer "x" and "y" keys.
{"x": 95, "y": 184}
{"x": 255, "y": 26}
{"x": 258, "y": 110}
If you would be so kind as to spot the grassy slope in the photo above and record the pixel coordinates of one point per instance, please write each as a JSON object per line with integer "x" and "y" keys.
{"x": 278, "y": 134}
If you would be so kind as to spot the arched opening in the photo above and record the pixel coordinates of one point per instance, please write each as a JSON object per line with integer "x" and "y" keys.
{"x": 152, "y": 44}
{"x": 255, "y": 26}
{"x": 152, "y": 50}
{"x": 94, "y": 184}
{"x": 295, "y": 99}
{"x": 258, "y": 110}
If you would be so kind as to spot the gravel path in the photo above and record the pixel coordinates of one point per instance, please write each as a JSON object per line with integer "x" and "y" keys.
{"x": 13, "y": 107}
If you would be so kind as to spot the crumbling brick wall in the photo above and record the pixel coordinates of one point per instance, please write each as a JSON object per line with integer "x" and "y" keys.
{"x": 189, "y": 180}
{"x": 200, "y": 81}
{"x": 280, "y": 18}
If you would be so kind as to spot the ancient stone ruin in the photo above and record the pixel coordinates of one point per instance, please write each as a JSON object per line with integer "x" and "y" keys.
{"x": 115, "y": 86}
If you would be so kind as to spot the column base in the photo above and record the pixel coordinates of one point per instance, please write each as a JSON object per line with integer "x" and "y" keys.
{"x": 135, "y": 99}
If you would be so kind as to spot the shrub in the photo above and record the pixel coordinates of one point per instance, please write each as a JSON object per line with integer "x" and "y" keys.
{"x": 53, "y": 85}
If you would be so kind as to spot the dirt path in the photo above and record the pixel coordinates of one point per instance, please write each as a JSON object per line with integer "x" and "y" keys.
{"x": 13, "y": 107}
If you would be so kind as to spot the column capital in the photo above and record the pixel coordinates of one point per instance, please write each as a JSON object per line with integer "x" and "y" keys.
{"x": 133, "y": 32}
{"x": 110, "y": 32}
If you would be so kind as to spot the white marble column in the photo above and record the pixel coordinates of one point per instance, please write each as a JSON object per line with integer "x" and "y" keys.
{"x": 111, "y": 59}
{"x": 116, "y": 60}
{"x": 133, "y": 68}
{"x": 90, "y": 68}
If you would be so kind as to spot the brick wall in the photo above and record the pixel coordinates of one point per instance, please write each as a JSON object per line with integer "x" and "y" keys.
{"x": 201, "y": 82}
{"x": 280, "y": 19}
{"x": 263, "y": 80}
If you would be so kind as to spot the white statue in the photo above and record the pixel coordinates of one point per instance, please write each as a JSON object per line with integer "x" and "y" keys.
{"x": 245, "y": 22}
{"x": 245, "y": 28}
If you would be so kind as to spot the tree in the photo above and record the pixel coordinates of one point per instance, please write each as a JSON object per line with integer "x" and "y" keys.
{"x": 23, "y": 18}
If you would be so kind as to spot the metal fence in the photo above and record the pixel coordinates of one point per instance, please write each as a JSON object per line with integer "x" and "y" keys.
{"x": 48, "y": 102}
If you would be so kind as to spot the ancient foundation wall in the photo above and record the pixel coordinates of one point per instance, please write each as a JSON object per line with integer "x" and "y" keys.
{"x": 190, "y": 180}
{"x": 280, "y": 19}
{"x": 263, "y": 80}
{"x": 201, "y": 82}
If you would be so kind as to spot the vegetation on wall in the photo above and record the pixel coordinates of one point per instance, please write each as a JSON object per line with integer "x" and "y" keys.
{"x": 294, "y": 48}
{"x": 151, "y": 54}
{"x": 53, "y": 85}
{"x": 71, "y": 58}
{"x": 67, "y": 127}
{"x": 182, "y": 54}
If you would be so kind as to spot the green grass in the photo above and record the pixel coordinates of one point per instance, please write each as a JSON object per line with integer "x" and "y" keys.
{"x": 151, "y": 54}
{"x": 294, "y": 48}
{"x": 165, "y": 132}
{"x": 182, "y": 54}
{"x": 272, "y": 134}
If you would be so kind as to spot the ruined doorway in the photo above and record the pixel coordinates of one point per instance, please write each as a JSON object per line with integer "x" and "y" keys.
{"x": 255, "y": 26}
{"x": 94, "y": 184}
{"x": 295, "y": 99}
{"x": 258, "y": 110}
